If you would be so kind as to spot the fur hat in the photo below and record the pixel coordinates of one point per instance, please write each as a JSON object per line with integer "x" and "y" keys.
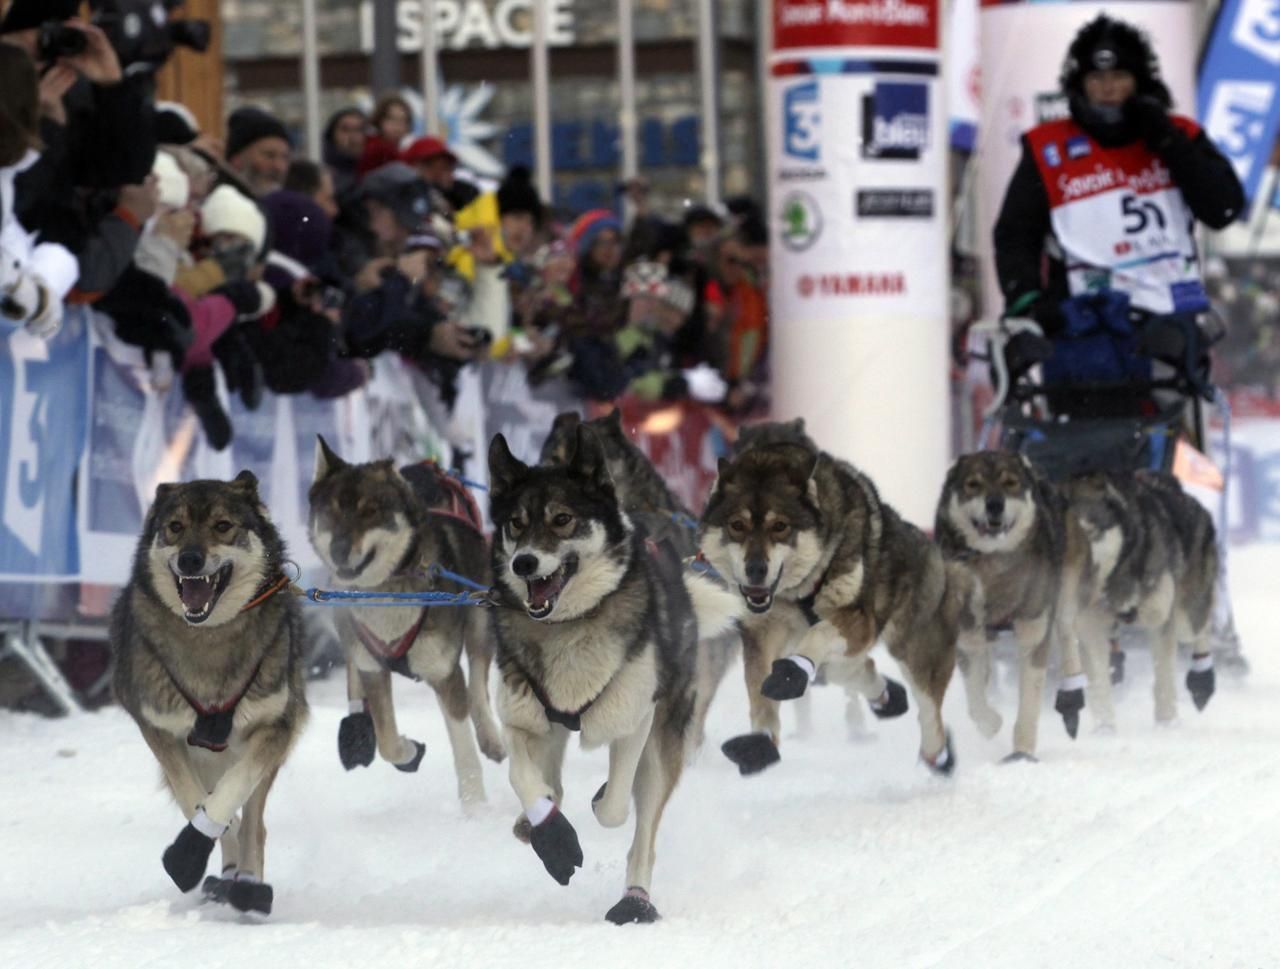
{"x": 175, "y": 124}
{"x": 229, "y": 210}
{"x": 248, "y": 125}
{"x": 1106, "y": 44}
{"x": 517, "y": 194}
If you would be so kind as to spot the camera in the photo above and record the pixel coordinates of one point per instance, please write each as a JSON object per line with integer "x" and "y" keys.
{"x": 143, "y": 33}
{"x": 58, "y": 40}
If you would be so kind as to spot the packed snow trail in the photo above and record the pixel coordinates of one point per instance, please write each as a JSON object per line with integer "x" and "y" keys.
{"x": 1152, "y": 848}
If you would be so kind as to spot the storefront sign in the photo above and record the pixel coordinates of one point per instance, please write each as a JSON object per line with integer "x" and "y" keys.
{"x": 474, "y": 23}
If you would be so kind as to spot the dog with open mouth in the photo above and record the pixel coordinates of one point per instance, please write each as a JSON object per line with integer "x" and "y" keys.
{"x": 207, "y": 640}
{"x": 597, "y": 635}
{"x": 1004, "y": 522}
{"x": 379, "y": 528}
{"x": 788, "y": 523}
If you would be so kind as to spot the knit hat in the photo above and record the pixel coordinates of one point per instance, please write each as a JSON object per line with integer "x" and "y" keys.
{"x": 299, "y": 227}
{"x": 175, "y": 124}
{"x": 426, "y": 148}
{"x": 29, "y": 14}
{"x": 228, "y": 210}
{"x": 652, "y": 279}
{"x": 517, "y": 194}
{"x": 399, "y": 188}
{"x": 702, "y": 213}
{"x": 589, "y": 225}
{"x": 174, "y": 185}
{"x": 249, "y": 125}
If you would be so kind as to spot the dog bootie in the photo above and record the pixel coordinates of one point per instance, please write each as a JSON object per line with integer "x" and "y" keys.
{"x": 787, "y": 681}
{"x": 411, "y": 765}
{"x": 634, "y": 907}
{"x": 944, "y": 764}
{"x": 1201, "y": 680}
{"x": 1116, "y": 661}
{"x": 892, "y": 702}
{"x": 556, "y": 843}
{"x": 357, "y": 743}
{"x": 186, "y": 859}
{"x": 751, "y": 752}
{"x": 1069, "y": 702}
{"x": 250, "y": 895}
{"x": 215, "y": 887}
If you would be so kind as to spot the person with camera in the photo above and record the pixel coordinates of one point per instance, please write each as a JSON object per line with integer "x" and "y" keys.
{"x": 89, "y": 190}
{"x": 1107, "y": 200}
{"x": 34, "y": 275}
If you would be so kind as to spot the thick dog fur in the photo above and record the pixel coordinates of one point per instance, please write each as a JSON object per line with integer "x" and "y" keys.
{"x": 785, "y": 523}
{"x": 170, "y": 657}
{"x": 373, "y": 527}
{"x": 649, "y": 503}
{"x": 597, "y": 630}
{"x": 1007, "y": 525}
{"x": 1152, "y": 564}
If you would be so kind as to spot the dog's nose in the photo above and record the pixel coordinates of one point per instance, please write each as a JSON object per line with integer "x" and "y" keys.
{"x": 995, "y": 506}
{"x": 340, "y": 550}
{"x": 191, "y": 561}
{"x": 524, "y": 565}
{"x": 757, "y": 571}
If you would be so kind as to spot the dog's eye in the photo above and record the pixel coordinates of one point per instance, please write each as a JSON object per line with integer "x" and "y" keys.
{"x": 515, "y": 527}
{"x": 175, "y": 528}
{"x": 779, "y": 529}
{"x": 973, "y": 485}
{"x": 223, "y": 527}
{"x": 1010, "y": 484}
{"x": 562, "y": 520}
{"x": 737, "y": 527}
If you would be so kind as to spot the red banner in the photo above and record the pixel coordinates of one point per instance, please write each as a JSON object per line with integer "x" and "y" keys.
{"x": 855, "y": 23}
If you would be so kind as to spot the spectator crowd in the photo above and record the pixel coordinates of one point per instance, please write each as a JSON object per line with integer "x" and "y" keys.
{"x": 230, "y": 250}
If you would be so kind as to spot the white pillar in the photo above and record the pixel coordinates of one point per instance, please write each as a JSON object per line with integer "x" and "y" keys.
{"x": 709, "y": 99}
{"x": 627, "y": 120}
{"x": 311, "y": 79}
{"x": 860, "y": 287}
{"x": 430, "y": 71}
{"x": 541, "y": 69}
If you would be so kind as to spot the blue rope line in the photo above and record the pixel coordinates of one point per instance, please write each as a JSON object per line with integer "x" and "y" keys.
{"x": 462, "y": 580}
{"x": 474, "y": 485}
{"x": 341, "y": 597}
{"x": 685, "y": 521}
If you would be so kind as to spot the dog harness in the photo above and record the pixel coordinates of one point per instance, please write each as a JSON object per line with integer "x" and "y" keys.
{"x": 459, "y": 502}
{"x": 392, "y": 656}
{"x": 572, "y": 720}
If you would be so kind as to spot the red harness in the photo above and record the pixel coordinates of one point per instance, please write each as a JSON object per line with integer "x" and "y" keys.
{"x": 459, "y": 502}
{"x": 390, "y": 655}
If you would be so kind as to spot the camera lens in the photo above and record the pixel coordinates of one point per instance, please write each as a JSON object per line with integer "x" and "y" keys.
{"x": 57, "y": 40}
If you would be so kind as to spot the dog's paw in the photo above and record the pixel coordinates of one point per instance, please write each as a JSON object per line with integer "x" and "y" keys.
{"x": 251, "y": 896}
{"x": 186, "y": 859}
{"x": 215, "y": 887}
{"x": 523, "y": 829}
{"x": 1069, "y": 703}
{"x": 1201, "y": 684}
{"x": 944, "y": 762}
{"x": 752, "y": 752}
{"x": 491, "y": 746}
{"x": 357, "y": 743}
{"x": 1116, "y": 661}
{"x": 609, "y": 817}
{"x": 634, "y": 907}
{"x": 1021, "y": 757}
{"x": 892, "y": 702}
{"x": 411, "y": 765}
{"x": 787, "y": 681}
{"x": 556, "y": 843}
{"x": 988, "y": 722}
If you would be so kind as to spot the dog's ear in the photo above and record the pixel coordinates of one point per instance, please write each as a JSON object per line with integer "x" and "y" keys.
{"x": 588, "y": 459}
{"x": 246, "y": 481}
{"x": 505, "y": 469}
{"x": 165, "y": 490}
{"x": 327, "y": 462}
{"x": 613, "y": 420}
{"x": 566, "y": 420}
{"x": 797, "y": 425}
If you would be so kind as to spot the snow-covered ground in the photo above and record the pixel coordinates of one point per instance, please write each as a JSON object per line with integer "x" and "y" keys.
{"x": 1152, "y": 848}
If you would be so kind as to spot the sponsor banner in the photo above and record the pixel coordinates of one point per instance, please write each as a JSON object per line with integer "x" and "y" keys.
{"x": 1029, "y": 41}
{"x": 855, "y": 23}
{"x": 964, "y": 74}
{"x": 1239, "y": 83}
{"x": 858, "y": 179}
{"x": 42, "y": 433}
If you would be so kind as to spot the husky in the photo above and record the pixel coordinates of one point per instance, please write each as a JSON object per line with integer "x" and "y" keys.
{"x": 650, "y": 504}
{"x": 1152, "y": 566}
{"x": 379, "y": 529}
{"x": 597, "y": 634}
{"x": 1002, "y": 520}
{"x": 786, "y": 523}
{"x": 207, "y": 640}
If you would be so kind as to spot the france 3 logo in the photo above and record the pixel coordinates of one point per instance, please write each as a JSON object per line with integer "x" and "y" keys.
{"x": 802, "y": 121}
{"x": 895, "y": 120}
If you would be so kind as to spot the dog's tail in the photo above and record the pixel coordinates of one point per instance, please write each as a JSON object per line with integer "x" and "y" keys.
{"x": 717, "y": 609}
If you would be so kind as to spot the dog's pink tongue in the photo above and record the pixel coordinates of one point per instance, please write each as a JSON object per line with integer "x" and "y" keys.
{"x": 196, "y": 593}
{"x": 540, "y": 590}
